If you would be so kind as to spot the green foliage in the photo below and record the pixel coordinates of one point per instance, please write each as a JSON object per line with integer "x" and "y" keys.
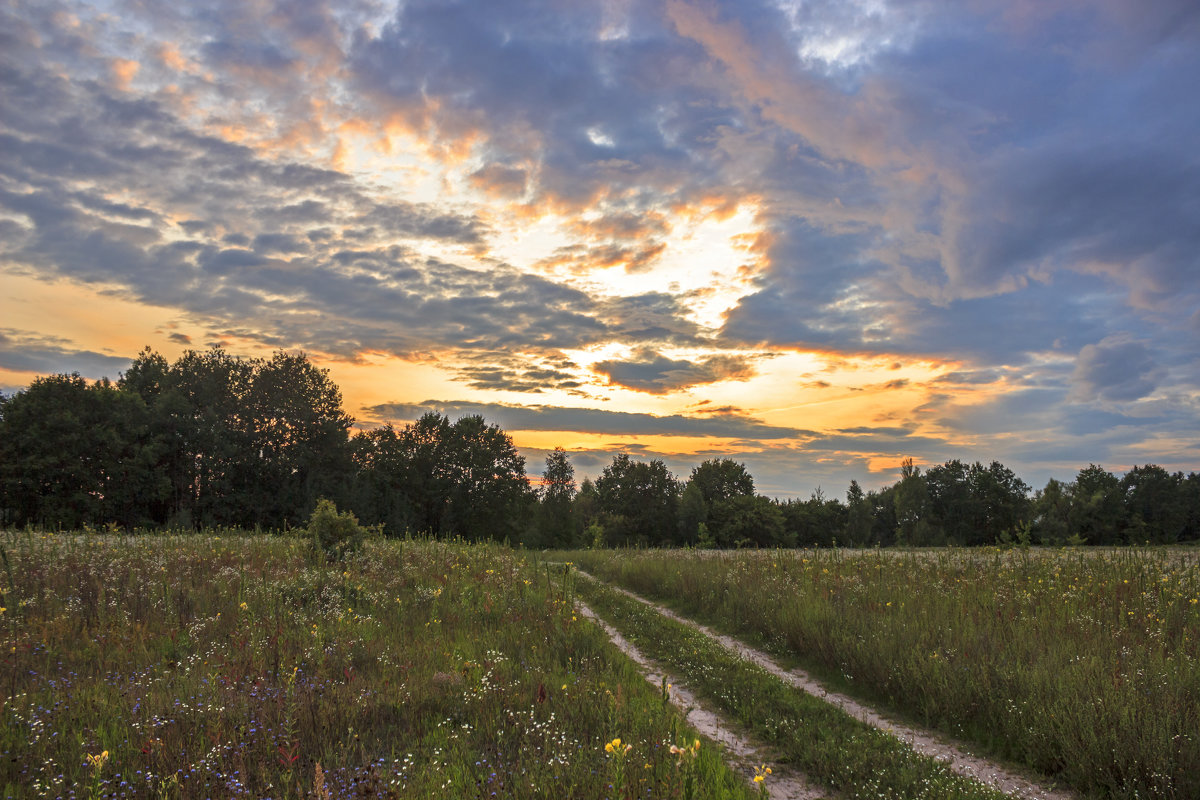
{"x": 638, "y": 501}
{"x": 594, "y": 535}
{"x": 334, "y": 536}
{"x": 555, "y": 521}
{"x": 722, "y": 479}
{"x": 747, "y": 521}
{"x": 693, "y": 514}
{"x": 436, "y": 477}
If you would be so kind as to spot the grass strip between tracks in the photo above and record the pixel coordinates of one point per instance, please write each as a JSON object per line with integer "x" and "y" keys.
{"x": 828, "y": 745}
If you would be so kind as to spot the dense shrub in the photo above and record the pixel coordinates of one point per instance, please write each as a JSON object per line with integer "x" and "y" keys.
{"x": 333, "y": 535}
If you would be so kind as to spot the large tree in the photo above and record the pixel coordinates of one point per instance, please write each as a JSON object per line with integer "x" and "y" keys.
{"x": 858, "y": 516}
{"x": 556, "y": 525}
{"x": 637, "y": 501}
{"x": 1154, "y": 505}
{"x": 73, "y": 453}
{"x": 298, "y": 433}
{"x": 1097, "y": 511}
{"x": 244, "y": 441}
{"x": 719, "y": 482}
{"x": 489, "y": 496}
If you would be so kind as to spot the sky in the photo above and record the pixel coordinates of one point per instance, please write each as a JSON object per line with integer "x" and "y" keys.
{"x": 815, "y": 237}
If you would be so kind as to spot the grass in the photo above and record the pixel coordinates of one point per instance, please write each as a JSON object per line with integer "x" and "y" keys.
{"x": 231, "y": 666}
{"x": 826, "y": 744}
{"x": 1083, "y": 665}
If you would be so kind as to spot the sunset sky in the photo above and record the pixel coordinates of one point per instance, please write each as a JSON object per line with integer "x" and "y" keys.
{"x": 817, "y": 237}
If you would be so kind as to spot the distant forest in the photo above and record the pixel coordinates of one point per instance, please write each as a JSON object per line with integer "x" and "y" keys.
{"x": 216, "y": 440}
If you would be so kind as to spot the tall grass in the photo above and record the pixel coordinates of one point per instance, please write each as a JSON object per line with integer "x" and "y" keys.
{"x": 231, "y": 666}
{"x": 824, "y": 742}
{"x": 1083, "y": 665}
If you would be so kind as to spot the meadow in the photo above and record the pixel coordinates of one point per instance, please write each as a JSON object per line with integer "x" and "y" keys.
{"x": 1082, "y": 665}
{"x": 229, "y": 665}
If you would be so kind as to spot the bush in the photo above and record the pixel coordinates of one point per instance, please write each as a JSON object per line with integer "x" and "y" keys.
{"x": 333, "y": 535}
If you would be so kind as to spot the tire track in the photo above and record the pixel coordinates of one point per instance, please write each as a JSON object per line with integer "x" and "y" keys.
{"x": 783, "y": 784}
{"x": 925, "y": 742}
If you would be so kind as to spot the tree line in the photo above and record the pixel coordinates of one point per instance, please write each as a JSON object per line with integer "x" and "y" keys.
{"x": 216, "y": 440}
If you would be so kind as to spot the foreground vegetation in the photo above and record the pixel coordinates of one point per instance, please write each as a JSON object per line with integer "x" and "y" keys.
{"x": 825, "y": 743}
{"x": 1084, "y": 665}
{"x": 247, "y": 666}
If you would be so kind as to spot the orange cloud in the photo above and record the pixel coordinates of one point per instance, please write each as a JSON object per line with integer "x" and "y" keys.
{"x": 123, "y": 72}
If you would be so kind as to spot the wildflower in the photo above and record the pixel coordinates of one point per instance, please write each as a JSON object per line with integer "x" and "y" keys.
{"x": 614, "y": 747}
{"x": 243, "y": 606}
{"x": 97, "y": 761}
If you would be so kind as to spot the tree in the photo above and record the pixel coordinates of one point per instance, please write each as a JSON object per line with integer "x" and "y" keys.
{"x": 1097, "y": 506}
{"x": 912, "y": 507}
{"x": 382, "y": 480}
{"x": 48, "y": 472}
{"x": 1001, "y": 500}
{"x": 584, "y": 511}
{"x": 693, "y": 512}
{"x": 73, "y": 453}
{"x": 720, "y": 482}
{"x": 298, "y": 435}
{"x": 953, "y": 511}
{"x": 815, "y": 522}
{"x": 638, "y": 501}
{"x": 883, "y": 516}
{"x": 721, "y": 479}
{"x": 557, "y": 527}
{"x": 1154, "y": 505}
{"x": 1189, "y": 493}
{"x": 203, "y": 406}
{"x": 1052, "y": 513}
{"x": 748, "y": 521}
{"x": 858, "y": 516}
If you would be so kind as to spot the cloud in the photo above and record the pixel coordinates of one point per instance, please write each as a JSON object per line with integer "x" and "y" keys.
{"x": 496, "y": 371}
{"x": 654, "y": 373}
{"x": 24, "y": 351}
{"x": 501, "y": 181}
{"x": 1008, "y": 186}
{"x": 593, "y": 420}
{"x": 1117, "y": 370}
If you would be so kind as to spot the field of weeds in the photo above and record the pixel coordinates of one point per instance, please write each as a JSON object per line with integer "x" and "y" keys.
{"x": 1084, "y": 666}
{"x": 232, "y": 666}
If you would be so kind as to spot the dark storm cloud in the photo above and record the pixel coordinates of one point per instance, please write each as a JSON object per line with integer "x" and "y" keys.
{"x": 593, "y": 420}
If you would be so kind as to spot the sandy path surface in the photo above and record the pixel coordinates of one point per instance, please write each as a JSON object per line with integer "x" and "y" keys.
{"x": 782, "y": 784}
{"x": 925, "y": 742}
